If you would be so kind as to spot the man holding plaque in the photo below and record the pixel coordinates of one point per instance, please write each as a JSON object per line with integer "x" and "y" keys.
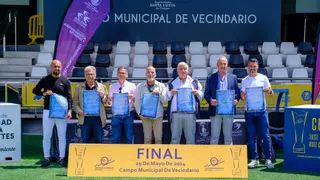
{"x": 121, "y": 98}
{"x": 184, "y": 95}
{"x": 88, "y": 103}
{"x": 149, "y": 99}
{"x": 54, "y": 83}
{"x": 222, "y": 94}
{"x": 253, "y": 89}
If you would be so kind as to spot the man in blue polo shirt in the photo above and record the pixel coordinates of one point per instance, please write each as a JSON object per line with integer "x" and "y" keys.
{"x": 257, "y": 120}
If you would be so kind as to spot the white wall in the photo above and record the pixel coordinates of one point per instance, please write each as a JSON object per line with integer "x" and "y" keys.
{"x": 40, "y": 6}
{"x": 308, "y": 6}
{"x": 14, "y": 2}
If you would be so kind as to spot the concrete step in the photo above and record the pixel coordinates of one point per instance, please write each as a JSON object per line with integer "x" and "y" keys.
{"x": 16, "y": 68}
{"x": 20, "y": 54}
{"x": 16, "y": 61}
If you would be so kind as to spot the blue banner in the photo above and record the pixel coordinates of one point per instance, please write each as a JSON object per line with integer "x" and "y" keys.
{"x": 180, "y": 20}
{"x": 301, "y": 138}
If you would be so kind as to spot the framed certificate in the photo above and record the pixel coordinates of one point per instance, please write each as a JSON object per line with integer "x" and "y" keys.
{"x": 149, "y": 105}
{"x": 225, "y": 100}
{"x": 255, "y": 99}
{"x": 91, "y": 102}
{"x": 58, "y": 107}
{"x": 185, "y": 100}
{"x": 120, "y": 104}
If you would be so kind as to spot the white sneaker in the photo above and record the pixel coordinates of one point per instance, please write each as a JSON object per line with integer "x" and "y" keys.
{"x": 253, "y": 164}
{"x": 269, "y": 164}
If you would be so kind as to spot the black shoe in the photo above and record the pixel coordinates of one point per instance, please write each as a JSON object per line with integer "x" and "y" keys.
{"x": 45, "y": 163}
{"x": 62, "y": 163}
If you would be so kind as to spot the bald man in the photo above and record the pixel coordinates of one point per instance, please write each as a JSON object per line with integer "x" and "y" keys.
{"x": 221, "y": 80}
{"x": 151, "y": 85}
{"x": 58, "y": 84}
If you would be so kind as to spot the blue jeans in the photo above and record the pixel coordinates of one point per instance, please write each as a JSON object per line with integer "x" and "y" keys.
{"x": 260, "y": 121}
{"x": 117, "y": 123}
{"x": 91, "y": 123}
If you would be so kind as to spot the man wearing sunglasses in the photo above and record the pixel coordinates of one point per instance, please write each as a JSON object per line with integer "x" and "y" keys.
{"x": 122, "y": 86}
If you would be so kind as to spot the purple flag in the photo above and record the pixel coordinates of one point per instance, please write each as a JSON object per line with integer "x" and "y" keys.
{"x": 80, "y": 23}
{"x": 316, "y": 69}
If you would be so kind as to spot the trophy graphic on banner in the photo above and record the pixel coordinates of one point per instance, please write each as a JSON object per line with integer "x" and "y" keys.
{"x": 299, "y": 121}
{"x": 236, "y": 153}
{"x": 80, "y": 152}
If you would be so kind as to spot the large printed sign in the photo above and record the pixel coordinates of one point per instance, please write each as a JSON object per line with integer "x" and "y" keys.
{"x": 157, "y": 161}
{"x": 180, "y": 20}
{"x": 302, "y": 138}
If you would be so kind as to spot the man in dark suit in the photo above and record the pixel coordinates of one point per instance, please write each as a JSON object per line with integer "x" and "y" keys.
{"x": 221, "y": 80}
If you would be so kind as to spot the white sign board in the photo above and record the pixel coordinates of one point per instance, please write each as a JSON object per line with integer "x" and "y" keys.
{"x": 10, "y": 132}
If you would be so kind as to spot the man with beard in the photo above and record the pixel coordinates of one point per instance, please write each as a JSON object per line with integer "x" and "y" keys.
{"x": 149, "y": 124}
{"x": 257, "y": 120}
{"x": 54, "y": 83}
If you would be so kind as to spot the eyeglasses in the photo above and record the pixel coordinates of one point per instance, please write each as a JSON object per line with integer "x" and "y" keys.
{"x": 120, "y": 88}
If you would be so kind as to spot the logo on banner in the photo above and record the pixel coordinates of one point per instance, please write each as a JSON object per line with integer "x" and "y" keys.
{"x": 237, "y": 131}
{"x": 299, "y": 122}
{"x": 306, "y": 95}
{"x": 162, "y": 5}
{"x": 203, "y": 129}
{"x": 104, "y": 164}
{"x": 82, "y": 19}
{"x": 96, "y": 2}
{"x": 214, "y": 162}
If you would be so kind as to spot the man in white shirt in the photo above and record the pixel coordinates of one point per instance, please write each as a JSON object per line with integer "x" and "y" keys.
{"x": 257, "y": 120}
{"x": 183, "y": 121}
{"x": 122, "y": 86}
{"x": 151, "y": 85}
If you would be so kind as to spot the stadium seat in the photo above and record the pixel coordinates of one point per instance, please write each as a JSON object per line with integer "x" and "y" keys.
{"x": 309, "y": 61}
{"x": 300, "y": 73}
{"x": 102, "y": 60}
{"x": 199, "y": 74}
{"x": 269, "y": 48}
{"x": 178, "y": 47}
{"x": 214, "y": 70}
{"x": 160, "y": 61}
{"x": 114, "y": 74}
{"x": 162, "y": 73}
{"x": 287, "y": 48}
{"x": 138, "y": 73}
{"x": 236, "y": 61}
{"x": 140, "y": 60}
{"x": 174, "y": 73}
{"x": 105, "y": 47}
{"x": 159, "y": 47}
{"x": 263, "y": 71}
{"x": 259, "y": 58}
{"x": 198, "y": 61}
{"x": 79, "y": 73}
{"x": 305, "y": 48}
{"x": 49, "y": 46}
{"x": 102, "y": 73}
{"x": 232, "y": 48}
{"x": 89, "y": 48}
{"x": 240, "y": 73}
{"x": 280, "y": 73}
{"x": 274, "y": 60}
{"x": 293, "y": 61}
{"x": 38, "y": 72}
{"x": 83, "y": 60}
{"x": 215, "y": 47}
{"x": 251, "y": 48}
{"x": 177, "y": 58}
{"x": 44, "y": 59}
{"x": 213, "y": 60}
{"x": 196, "y": 48}
{"x": 123, "y": 47}
{"x": 121, "y": 60}
{"x": 141, "y": 47}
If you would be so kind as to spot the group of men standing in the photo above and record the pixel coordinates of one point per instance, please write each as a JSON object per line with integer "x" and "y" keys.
{"x": 179, "y": 121}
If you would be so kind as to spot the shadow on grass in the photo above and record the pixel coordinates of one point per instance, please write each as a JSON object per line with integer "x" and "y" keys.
{"x": 278, "y": 168}
{"x": 20, "y": 167}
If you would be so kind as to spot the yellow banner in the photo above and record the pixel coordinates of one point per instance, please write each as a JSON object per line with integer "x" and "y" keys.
{"x": 120, "y": 160}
